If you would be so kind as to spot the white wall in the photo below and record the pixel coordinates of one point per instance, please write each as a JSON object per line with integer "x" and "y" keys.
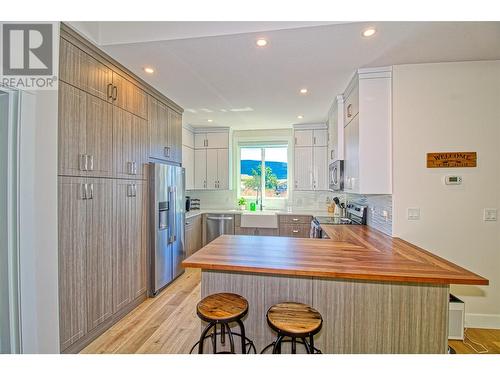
{"x": 451, "y": 107}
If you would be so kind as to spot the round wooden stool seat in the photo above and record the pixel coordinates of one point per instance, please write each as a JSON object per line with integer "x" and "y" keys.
{"x": 294, "y": 319}
{"x": 222, "y": 307}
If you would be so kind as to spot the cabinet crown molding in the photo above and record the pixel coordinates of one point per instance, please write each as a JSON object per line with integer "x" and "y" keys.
{"x": 219, "y": 129}
{"x": 320, "y": 125}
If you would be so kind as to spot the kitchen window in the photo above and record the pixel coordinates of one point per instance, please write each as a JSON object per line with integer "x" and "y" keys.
{"x": 264, "y": 168}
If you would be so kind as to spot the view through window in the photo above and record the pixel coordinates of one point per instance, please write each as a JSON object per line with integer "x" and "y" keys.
{"x": 264, "y": 168}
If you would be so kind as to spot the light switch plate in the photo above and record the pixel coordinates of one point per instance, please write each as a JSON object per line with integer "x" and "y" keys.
{"x": 490, "y": 214}
{"x": 413, "y": 213}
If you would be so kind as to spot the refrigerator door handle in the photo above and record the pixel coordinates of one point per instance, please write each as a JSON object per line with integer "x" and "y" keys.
{"x": 172, "y": 207}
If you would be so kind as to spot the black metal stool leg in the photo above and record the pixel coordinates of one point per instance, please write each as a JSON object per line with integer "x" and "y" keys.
{"x": 243, "y": 337}
{"x": 203, "y": 336}
{"x": 311, "y": 344}
{"x": 223, "y": 333}
{"x": 294, "y": 345}
{"x": 230, "y": 334}
{"x": 306, "y": 345}
{"x": 214, "y": 339}
{"x": 277, "y": 345}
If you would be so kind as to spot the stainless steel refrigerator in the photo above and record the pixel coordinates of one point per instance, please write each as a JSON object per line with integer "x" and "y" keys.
{"x": 167, "y": 230}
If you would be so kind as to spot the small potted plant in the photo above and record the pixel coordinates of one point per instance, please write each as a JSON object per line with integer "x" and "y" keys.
{"x": 242, "y": 204}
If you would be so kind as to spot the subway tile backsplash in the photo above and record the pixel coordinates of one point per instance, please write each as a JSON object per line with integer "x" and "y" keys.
{"x": 379, "y": 206}
{"x": 379, "y": 210}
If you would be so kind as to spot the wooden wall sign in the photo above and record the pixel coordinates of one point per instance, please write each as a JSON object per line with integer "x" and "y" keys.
{"x": 451, "y": 159}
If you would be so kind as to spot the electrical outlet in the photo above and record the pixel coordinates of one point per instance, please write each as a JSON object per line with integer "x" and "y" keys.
{"x": 490, "y": 214}
{"x": 385, "y": 215}
{"x": 413, "y": 214}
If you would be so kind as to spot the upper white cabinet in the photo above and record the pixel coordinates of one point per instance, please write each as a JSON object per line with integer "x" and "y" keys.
{"x": 310, "y": 158}
{"x": 367, "y": 132}
{"x": 188, "y": 156}
{"x": 211, "y": 169}
{"x": 211, "y": 139}
{"x": 211, "y": 159}
{"x": 311, "y": 137}
{"x": 336, "y": 130}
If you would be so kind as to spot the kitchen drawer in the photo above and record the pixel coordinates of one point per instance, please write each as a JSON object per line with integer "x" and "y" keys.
{"x": 295, "y": 230}
{"x": 295, "y": 219}
{"x": 351, "y": 105}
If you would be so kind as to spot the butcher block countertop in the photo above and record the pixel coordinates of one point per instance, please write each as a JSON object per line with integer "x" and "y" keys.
{"x": 352, "y": 252}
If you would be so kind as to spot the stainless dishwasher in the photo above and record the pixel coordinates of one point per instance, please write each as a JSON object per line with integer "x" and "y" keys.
{"x": 219, "y": 224}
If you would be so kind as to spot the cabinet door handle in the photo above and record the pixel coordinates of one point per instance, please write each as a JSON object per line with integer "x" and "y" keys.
{"x": 130, "y": 193}
{"x": 115, "y": 92}
{"x": 91, "y": 191}
{"x": 129, "y": 167}
{"x": 295, "y": 231}
{"x": 83, "y": 188}
{"x": 110, "y": 91}
{"x": 295, "y": 219}
{"x": 134, "y": 190}
{"x": 91, "y": 163}
{"x": 349, "y": 111}
{"x": 314, "y": 140}
{"x": 331, "y": 154}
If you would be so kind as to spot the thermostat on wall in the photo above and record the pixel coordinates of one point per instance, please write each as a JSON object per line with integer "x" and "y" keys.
{"x": 453, "y": 180}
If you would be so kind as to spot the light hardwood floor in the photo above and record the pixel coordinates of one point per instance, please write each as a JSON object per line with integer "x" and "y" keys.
{"x": 165, "y": 324}
{"x": 168, "y": 324}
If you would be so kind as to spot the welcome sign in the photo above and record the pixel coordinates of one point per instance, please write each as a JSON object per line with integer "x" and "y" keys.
{"x": 451, "y": 159}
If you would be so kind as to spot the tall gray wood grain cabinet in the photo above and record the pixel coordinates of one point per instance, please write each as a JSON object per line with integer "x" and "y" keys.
{"x": 106, "y": 124}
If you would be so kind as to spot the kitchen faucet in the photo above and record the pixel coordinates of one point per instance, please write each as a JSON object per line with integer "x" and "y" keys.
{"x": 259, "y": 189}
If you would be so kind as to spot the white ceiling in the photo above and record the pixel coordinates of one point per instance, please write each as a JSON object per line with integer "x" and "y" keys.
{"x": 210, "y": 68}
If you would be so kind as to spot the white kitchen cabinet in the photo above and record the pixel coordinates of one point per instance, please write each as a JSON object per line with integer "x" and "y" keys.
{"x": 368, "y": 132}
{"x": 211, "y": 169}
{"x": 351, "y": 162}
{"x": 320, "y": 168}
{"x": 212, "y": 175}
{"x": 303, "y": 138}
{"x": 187, "y": 137}
{"x": 303, "y": 168}
{"x": 311, "y": 137}
{"x": 320, "y": 137}
{"x": 223, "y": 169}
{"x": 188, "y": 164}
{"x": 310, "y": 157}
{"x": 336, "y": 130}
{"x": 188, "y": 156}
{"x": 211, "y": 139}
{"x": 200, "y": 169}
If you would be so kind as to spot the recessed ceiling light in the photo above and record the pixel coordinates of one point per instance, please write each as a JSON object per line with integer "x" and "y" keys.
{"x": 300, "y": 117}
{"x": 210, "y": 120}
{"x": 370, "y": 31}
{"x": 261, "y": 42}
{"x": 149, "y": 70}
{"x": 303, "y": 91}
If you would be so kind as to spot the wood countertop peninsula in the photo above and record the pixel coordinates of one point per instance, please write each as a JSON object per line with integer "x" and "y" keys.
{"x": 352, "y": 252}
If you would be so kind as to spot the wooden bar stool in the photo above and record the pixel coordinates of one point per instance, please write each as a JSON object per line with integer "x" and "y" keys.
{"x": 294, "y": 320}
{"x": 222, "y": 309}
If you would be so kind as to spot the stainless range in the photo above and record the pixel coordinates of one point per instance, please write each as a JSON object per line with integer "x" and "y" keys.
{"x": 355, "y": 215}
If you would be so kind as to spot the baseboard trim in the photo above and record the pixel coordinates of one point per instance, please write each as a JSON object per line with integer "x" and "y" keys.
{"x": 489, "y": 321}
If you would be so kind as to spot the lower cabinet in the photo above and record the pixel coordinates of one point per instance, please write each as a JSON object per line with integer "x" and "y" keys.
{"x": 298, "y": 226}
{"x": 102, "y": 253}
{"x": 193, "y": 235}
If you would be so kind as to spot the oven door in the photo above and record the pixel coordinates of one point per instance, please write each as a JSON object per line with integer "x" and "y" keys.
{"x": 336, "y": 175}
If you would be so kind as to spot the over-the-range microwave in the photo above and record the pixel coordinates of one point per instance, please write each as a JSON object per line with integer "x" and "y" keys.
{"x": 336, "y": 175}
